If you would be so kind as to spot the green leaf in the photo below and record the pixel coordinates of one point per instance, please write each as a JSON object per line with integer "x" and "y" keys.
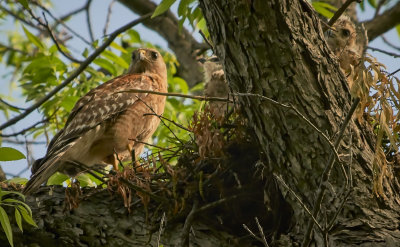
{"x": 116, "y": 59}
{"x": 181, "y": 83}
{"x": 33, "y": 38}
{"x": 3, "y": 193}
{"x": 57, "y": 179}
{"x": 24, "y": 3}
{"x": 105, "y": 64}
{"x": 17, "y": 180}
{"x": 8, "y": 154}
{"x": 27, "y": 217}
{"x": 372, "y": 3}
{"x": 18, "y": 219}
{"x": 5, "y": 224}
{"x": 162, "y": 7}
{"x": 85, "y": 180}
{"x": 398, "y": 29}
{"x": 134, "y": 35}
{"x": 324, "y": 9}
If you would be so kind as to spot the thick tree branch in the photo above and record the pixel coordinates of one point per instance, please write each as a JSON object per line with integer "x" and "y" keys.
{"x": 383, "y": 23}
{"x": 181, "y": 42}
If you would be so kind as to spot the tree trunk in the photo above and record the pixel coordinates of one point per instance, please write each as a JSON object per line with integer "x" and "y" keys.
{"x": 276, "y": 49}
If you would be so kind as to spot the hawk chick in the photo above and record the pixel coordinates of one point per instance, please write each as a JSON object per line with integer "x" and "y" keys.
{"x": 107, "y": 121}
{"x": 342, "y": 40}
{"x": 215, "y": 86}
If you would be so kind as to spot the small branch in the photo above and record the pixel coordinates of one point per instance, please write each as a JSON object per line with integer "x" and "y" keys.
{"x": 152, "y": 145}
{"x": 340, "y": 11}
{"x": 161, "y": 229}
{"x": 108, "y": 18}
{"x": 147, "y": 105}
{"x": 24, "y": 130}
{"x": 13, "y": 49}
{"x": 378, "y": 7}
{"x": 202, "y": 98}
{"x": 386, "y": 41}
{"x": 252, "y": 233}
{"x": 11, "y": 106}
{"x": 76, "y": 72}
{"x": 46, "y": 25}
{"x": 188, "y": 225}
{"x": 61, "y": 21}
{"x": 280, "y": 180}
{"x": 264, "y": 240}
{"x": 327, "y": 173}
{"x": 19, "y": 18}
{"x": 384, "y": 52}
{"x": 394, "y": 72}
{"x": 173, "y": 122}
{"x": 89, "y": 23}
{"x": 17, "y": 142}
{"x": 207, "y": 41}
{"x": 298, "y": 113}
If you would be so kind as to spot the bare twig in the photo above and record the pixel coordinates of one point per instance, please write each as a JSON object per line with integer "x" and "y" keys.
{"x": 16, "y": 16}
{"x": 264, "y": 240}
{"x": 339, "y": 12}
{"x": 378, "y": 7}
{"x": 46, "y": 25}
{"x": 298, "y": 113}
{"x": 88, "y": 21}
{"x": 61, "y": 21}
{"x": 326, "y": 174}
{"x": 11, "y": 106}
{"x": 76, "y": 73}
{"x": 207, "y": 41}
{"x": 13, "y": 49}
{"x": 383, "y": 51}
{"x": 169, "y": 120}
{"x": 252, "y": 233}
{"x": 26, "y": 129}
{"x": 151, "y": 109}
{"x": 18, "y": 142}
{"x": 390, "y": 43}
{"x": 394, "y": 72}
{"x": 108, "y": 18}
{"x": 161, "y": 229}
{"x": 188, "y": 225}
{"x": 202, "y": 98}
{"x": 280, "y": 180}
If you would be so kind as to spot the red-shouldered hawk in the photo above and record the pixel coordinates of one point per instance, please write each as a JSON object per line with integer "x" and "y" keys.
{"x": 106, "y": 121}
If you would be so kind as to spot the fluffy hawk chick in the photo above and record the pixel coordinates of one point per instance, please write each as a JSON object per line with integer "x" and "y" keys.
{"x": 215, "y": 86}
{"x": 107, "y": 121}
{"x": 342, "y": 41}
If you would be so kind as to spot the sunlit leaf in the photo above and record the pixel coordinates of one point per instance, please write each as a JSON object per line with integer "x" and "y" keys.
{"x": 18, "y": 219}
{"x": 57, "y": 179}
{"x": 324, "y": 9}
{"x": 162, "y": 7}
{"x": 105, "y": 64}
{"x": 33, "y": 38}
{"x": 8, "y": 154}
{"x": 17, "y": 180}
{"x": 27, "y": 216}
{"x": 5, "y": 224}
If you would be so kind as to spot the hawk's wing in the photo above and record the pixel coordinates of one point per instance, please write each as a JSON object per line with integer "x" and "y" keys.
{"x": 98, "y": 105}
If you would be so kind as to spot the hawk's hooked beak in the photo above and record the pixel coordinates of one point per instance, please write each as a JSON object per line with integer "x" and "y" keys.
{"x": 142, "y": 55}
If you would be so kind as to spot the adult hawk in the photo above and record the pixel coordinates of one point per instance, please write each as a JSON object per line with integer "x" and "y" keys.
{"x": 107, "y": 121}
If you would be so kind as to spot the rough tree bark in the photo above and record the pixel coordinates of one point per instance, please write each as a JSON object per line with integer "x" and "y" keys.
{"x": 276, "y": 49}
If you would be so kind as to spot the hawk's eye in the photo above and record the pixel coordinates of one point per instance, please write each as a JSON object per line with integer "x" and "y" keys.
{"x": 133, "y": 55}
{"x": 346, "y": 32}
{"x": 154, "y": 55}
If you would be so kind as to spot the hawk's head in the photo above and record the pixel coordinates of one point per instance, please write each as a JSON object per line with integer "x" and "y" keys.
{"x": 146, "y": 60}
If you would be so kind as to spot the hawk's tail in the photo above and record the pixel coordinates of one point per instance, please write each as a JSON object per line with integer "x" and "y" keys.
{"x": 44, "y": 169}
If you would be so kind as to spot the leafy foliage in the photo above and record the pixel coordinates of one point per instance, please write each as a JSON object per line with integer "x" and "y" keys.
{"x": 21, "y": 210}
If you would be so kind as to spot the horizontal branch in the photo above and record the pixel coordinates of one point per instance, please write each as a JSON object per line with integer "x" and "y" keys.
{"x": 76, "y": 73}
{"x": 383, "y": 23}
{"x": 202, "y": 98}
